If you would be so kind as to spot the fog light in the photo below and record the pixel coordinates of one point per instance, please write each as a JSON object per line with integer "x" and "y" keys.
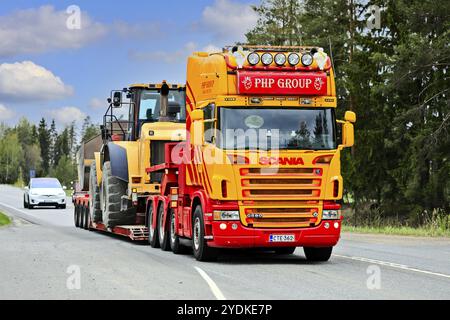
{"x": 234, "y": 226}
{"x": 223, "y": 226}
{"x": 327, "y": 225}
{"x": 336, "y": 225}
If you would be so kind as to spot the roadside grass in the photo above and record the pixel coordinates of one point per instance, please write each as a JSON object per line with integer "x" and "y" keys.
{"x": 400, "y": 231}
{"x": 4, "y": 220}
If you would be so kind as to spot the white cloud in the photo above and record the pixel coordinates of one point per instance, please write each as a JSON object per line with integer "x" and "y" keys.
{"x": 178, "y": 56}
{"x": 26, "y": 81}
{"x": 6, "y": 113}
{"x": 44, "y": 29}
{"x": 97, "y": 103}
{"x": 165, "y": 56}
{"x": 229, "y": 21}
{"x": 67, "y": 115}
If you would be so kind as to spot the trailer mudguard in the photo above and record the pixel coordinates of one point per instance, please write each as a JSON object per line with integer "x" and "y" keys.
{"x": 117, "y": 155}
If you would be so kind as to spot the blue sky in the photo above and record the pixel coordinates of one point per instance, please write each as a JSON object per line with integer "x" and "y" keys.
{"x": 48, "y": 70}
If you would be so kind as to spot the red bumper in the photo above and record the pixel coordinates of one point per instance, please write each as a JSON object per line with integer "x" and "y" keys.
{"x": 243, "y": 237}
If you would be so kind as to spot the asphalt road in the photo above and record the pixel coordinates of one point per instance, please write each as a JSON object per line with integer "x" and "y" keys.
{"x": 42, "y": 254}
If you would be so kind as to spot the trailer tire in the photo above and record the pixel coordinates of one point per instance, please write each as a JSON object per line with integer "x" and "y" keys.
{"x": 153, "y": 239}
{"x": 75, "y": 215}
{"x": 199, "y": 245}
{"x": 95, "y": 210}
{"x": 175, "y": 245}
{"x": 163, "y": 233}
{"x": 285, "y": 250}
{"x": 87, "y": 218}
{"x": 112, "y": 190}
{"x": 318, "y": 254}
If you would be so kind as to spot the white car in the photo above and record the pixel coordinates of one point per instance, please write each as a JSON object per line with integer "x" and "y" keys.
{"x": 44, "y": 192}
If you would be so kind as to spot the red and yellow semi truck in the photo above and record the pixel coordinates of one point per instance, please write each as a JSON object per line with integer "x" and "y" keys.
{"x": 260, "y": 167}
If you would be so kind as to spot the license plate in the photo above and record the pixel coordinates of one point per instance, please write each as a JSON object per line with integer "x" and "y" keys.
{"x": 282, "y": 238}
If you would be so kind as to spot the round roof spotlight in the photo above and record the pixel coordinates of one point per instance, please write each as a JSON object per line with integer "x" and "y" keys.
{"x": 280, "y": 59}
{"x": 253, "y": 58}
{"x": 307, "y": 59}
{"x": 294, "y": 59}
{"x": 267, "y": 59}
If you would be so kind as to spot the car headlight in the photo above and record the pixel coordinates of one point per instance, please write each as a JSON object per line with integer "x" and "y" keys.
{"x": 331, "y": 215}
{"x": 226, "y": 215}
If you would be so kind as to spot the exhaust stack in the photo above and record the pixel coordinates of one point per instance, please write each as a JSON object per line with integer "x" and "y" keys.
{"x": 164, "y": 110}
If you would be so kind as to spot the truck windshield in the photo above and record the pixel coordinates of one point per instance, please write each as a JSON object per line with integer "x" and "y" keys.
{"x": 275, "y": 128}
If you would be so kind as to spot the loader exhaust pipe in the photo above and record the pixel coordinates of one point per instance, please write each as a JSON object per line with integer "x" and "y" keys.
{"x": 164, "y": 110}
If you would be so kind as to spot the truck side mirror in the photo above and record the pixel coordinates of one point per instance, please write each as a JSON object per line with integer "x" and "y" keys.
{"x": 350, "y": 116}
{"x": 117, "y": 99}
{"x": 197, "y": 129}
{"x": 348, "y": 135}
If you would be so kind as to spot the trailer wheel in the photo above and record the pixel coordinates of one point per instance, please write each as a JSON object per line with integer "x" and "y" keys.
{"x": 164, "y": 240}
{"x": 153, "y": 239}
{"x": 285, "y": 250}
{"x": 175, "y": 245}
{"x": 201, "y": 250}
{"x": 318, "y": 254}
{"x": 87, "y": 218}
{"x": 95, "y": 210}
{"x": 112, "y": 190}
{"x": 75, "y": 215}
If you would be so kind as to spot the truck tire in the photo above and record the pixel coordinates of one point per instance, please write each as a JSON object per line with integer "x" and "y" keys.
{"x": 112, "y": 190}
{"x": 95, "y": 210}
{"x": 163, "y": 233}
{"x": 285, "y": 250}
{"x": 199, "y": 246}
{"x": 153, "y": 238}
{"x": 318, "y": 254}
{"x": 175, "y": 245}
{"x": 87, "y": 218}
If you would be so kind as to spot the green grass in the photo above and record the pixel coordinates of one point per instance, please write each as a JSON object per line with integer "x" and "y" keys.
{"x": 4, "y": 220}
{"x": 401, "y": 231}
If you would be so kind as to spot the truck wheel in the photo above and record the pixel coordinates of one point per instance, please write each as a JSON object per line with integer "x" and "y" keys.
{"x": 199, "y": 246}
{"x": 175, "y": 245}
{"x": 95, "y": 210}
{"x": 164, "y": 240}
{"x": 152, "y": 232}
{"x": 285, "y": 250}
{"x": 318, "y": 254}
{"x": 112, "y": 190}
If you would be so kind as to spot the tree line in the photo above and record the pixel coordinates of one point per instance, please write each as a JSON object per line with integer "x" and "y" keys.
{"x": 42, "y": 149}
{"x": 396, "y": 78}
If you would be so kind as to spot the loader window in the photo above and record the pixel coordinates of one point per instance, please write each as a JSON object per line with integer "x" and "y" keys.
{"x": 151, "y": 105}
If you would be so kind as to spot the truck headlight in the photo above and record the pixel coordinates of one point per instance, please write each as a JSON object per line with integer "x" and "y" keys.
{"x": 331, "y": 215}
{"x": 226, "y": 215}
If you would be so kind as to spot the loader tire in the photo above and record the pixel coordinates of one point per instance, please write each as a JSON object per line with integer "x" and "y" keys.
{"x": 95, "y": 210}
{"x": 112, "y": 190}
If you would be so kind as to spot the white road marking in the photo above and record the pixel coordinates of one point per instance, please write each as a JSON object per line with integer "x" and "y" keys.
{"x": 212, "y": 285}
{"x": 13, "y": 208}
{"x": 394, "y": 265}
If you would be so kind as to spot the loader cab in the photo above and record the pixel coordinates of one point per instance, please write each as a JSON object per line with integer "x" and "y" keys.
{"x": 146, "y": 107}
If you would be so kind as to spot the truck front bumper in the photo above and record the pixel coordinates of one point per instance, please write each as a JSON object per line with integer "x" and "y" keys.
{"x": 232, "y": 234}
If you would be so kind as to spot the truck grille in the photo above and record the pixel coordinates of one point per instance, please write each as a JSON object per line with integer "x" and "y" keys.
{"x": 281, "y": 197}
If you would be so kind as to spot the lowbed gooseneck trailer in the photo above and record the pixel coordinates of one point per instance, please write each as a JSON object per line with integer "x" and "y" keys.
{"x": 256, "y": 164}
